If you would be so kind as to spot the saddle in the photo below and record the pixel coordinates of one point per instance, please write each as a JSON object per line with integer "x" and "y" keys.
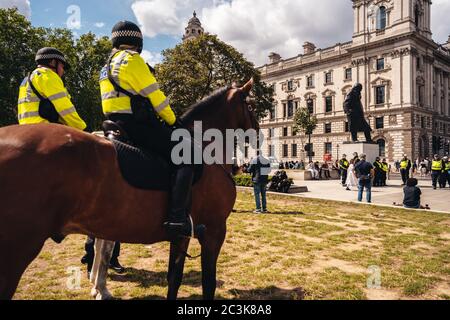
{"x": 142, "y": 169}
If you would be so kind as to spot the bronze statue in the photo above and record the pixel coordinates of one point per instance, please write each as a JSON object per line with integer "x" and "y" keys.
{"x": 354, "y": 110}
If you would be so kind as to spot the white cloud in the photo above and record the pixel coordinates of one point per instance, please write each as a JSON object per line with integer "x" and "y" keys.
{"x": 440, "y": 11}
{"x": 258, "y": 27}
{"x": 23, "y": 6}
{"x": 152, "y": 58}
{"x": 99, "y": 24}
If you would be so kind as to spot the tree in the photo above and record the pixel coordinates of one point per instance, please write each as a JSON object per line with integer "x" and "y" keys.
{"x": 194, "y": 69}
{"x": 18, "y": 44}
{"x": 304, "y": 122}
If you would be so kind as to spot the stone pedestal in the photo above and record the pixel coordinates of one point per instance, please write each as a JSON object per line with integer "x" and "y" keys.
{"x": 372, "y": 150}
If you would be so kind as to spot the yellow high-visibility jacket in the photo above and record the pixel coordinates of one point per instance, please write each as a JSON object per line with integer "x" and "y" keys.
{"x": 131, "y": 73}
{"x": 437, "y": 165}
{"x": 50, "y": 86}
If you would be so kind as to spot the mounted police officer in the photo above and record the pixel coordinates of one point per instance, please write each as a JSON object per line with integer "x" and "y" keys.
{"x": 131, "y": 97}
{"x": 43, "y": 97}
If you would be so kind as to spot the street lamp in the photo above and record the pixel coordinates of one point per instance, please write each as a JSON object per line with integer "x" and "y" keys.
{"x": 310, "y": 105}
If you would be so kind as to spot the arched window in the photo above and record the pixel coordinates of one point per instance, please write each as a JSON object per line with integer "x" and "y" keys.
{"x": 382, "y": 147}
{"x": 381, "y": 18}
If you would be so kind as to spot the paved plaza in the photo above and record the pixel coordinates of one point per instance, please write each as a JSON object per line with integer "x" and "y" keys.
{"x": 438, "y": 200}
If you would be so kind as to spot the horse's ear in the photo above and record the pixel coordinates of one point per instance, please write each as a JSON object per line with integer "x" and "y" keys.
{"x": 248, "y": 86}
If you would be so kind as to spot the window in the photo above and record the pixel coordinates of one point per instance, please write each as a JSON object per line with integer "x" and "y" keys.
{"x": 418, "y": 62}
{"x": 348, "y": 74}
{"x": 380, "y": 64}
{"x": 246, "y": 152}
{"x": 380, "y": 94}
{"x": 290, "y": 111}
{"x": 328, "y": 148}
{"x": 271, "y": 151}
{"x": 327, "y": 127}
{"x": 294, "y": 150}
{"x": 416, "y": 15}
{"x": 290, "y": 85}
{"x": 422, "y": 123}
{"x": 284, "y": 111}
{"x": 382, "y": 147}
{"x": 271, "y": 133}
{"x": 272, "y": 113}
{"x": 346, "y": 127}
{"x": 328, "y": 78}
{"x": 310, "y": 81}
{"x": 285, "y": 132}
{"x": 285, "y": 151}
{"x": 328, "y": 104}
{"x": 381, "y": 18}
{"x": 310, "y": 105}
{"x": 379, "y": 123}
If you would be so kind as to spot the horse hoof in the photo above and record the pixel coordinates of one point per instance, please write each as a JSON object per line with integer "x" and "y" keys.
{"x": 104, "y": 297}
{"x": 94, "y": 293}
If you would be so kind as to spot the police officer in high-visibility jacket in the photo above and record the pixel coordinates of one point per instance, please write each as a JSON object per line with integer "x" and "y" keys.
{"x": 343, "y": 167}
{"x": 405, "y": 168}
{"x": 43, "y": 97}
{"x": 445, "y": 175}
{"x": 385, "y": 172}
{"x": 436, "y": 170}
{"x": 132, "y": 98}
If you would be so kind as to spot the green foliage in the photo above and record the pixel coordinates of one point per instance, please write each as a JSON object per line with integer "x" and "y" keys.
{"x": 194, "y": 69}
{"x": 18, "y": 47}
{"x": 243, "y": 180}
{"x": 304, "y": 122}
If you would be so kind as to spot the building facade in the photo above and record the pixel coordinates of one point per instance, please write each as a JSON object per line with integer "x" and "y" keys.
{"x": 194, "y": 28}
{"x": 406, "y": 80}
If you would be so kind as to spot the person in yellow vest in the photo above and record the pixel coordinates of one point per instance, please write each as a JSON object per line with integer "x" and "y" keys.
{"x": 43, "y": 97}
{"x": 343, "y": 167}
{"x": 405, "y": 167}
{"x": 132, "y": 98}
{"x": 437, "y": 166}
{"x": 385, "y": 172}
{"x": 445, "y": 175}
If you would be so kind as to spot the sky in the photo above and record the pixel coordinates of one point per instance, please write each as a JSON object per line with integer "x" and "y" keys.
{"x": 255, "y": 28}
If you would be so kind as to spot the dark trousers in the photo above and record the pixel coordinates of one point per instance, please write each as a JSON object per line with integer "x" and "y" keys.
{"x": 405, "y": 175}
{"x": 443, "y": 179}
{"x": 377, "y": 179}
{"x": 383, "y": 179}
{"x": 90, "y": 251}
{"x": 344, "y": 174}
{"x": 435, "y": 175}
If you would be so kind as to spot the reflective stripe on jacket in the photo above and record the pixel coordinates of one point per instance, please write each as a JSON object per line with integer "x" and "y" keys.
{"x": 50, "y": 86}
{"x": 131, "y": 73}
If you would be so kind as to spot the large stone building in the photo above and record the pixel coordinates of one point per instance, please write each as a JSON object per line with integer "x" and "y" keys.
{"x": 405, "y": 75}
{"x": 194, "y": 28}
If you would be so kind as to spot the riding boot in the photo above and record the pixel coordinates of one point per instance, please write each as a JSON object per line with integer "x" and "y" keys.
{"x": 180, "y": 223}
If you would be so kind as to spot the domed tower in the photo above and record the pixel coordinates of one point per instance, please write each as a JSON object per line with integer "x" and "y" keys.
{"x": 193, "y": 29}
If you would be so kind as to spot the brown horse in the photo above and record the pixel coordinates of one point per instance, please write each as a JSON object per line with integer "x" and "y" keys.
{"x": 55, "y": 180}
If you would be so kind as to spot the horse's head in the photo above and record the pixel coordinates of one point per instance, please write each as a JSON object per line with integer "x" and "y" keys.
{"x": 243, "y": 106}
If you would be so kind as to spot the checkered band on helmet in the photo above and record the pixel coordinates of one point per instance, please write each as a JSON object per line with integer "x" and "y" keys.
{"x": 49, "y": 54}
{"x": 127, "y": 33}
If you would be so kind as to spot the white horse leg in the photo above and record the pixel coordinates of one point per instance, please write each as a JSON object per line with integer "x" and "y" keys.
{"x": 103, "y": 253}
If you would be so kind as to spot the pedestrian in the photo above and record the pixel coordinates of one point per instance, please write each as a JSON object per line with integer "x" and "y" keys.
{"x": 365, "y": 173}
{"x": 356, "y": 157}
{"x": 412, "y": 194}
{"x": 436, "y": 170}
{"x": 397, "y": 166}
{"x": 343, "y": 168}
{"x": 312, "y": 168}
{"x": 260, "y": 170}
{"x": 352, "y": 181}
{"x": 405, "y": 168}
{"x": 325, "y": 169}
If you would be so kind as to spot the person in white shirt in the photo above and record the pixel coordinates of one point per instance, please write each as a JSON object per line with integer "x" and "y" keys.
{"x": 352, "y": 181}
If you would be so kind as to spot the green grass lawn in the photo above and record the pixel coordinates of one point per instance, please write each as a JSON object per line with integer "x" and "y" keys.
{"x": 305, "y": 249}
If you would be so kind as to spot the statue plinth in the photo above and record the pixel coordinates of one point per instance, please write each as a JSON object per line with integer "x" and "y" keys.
{"x": 371, "y": 149}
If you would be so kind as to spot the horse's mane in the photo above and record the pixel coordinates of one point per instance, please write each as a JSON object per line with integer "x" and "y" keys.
{"x": 204, "y": 105}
